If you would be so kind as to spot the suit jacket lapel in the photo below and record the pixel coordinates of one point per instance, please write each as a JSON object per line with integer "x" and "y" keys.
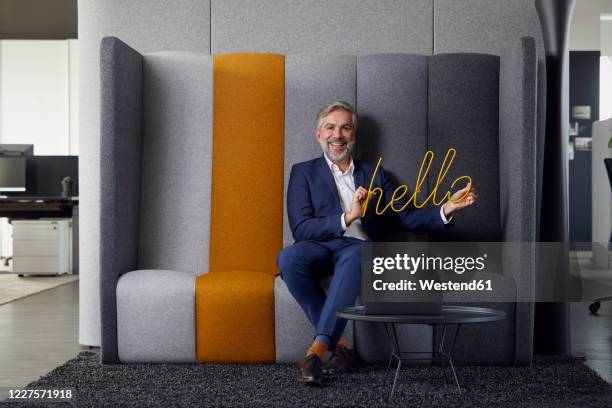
{"x": 328, "y": 177}
{"x": 360, "y": 179}
{"x": 358, "y": 175}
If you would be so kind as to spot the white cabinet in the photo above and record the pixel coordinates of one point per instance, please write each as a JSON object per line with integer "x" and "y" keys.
{"x": 41, "y": 246}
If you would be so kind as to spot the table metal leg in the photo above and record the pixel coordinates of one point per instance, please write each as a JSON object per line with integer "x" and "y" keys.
{"x": 433, "y": 344}
{"x": 450, "y": 357}
{"x": 391, "y": 356}
{"x": 455, "y": 339}
{"x": 399, "y": 366}
{"x": 397, "y": 347}
{"x": 398, "y": 356}
{"x": 384, "y": 381}
{"x": 441, "y": 353}
{"x": 445, "y": 357}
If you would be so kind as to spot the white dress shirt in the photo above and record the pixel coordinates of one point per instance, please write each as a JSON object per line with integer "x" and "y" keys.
{"x": 345, "y": 183}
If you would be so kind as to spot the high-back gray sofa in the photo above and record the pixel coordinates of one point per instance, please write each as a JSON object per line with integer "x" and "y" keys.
{"x": 162, "y": 130}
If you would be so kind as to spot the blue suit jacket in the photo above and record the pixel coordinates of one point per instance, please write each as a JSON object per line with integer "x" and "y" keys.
{"x": 313, "y": 203}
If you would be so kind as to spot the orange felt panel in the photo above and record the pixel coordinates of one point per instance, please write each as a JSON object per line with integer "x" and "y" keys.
{"x": 247, "y": 167}
{"x": 235, "y": 300}
{"x": 235, "y": 317}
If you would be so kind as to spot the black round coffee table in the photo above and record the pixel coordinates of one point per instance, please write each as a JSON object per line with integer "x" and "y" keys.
{"x": 451, "y": 315}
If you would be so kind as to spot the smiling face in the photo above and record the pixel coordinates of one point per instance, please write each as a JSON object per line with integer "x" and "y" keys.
{"x": 336, "y": 135}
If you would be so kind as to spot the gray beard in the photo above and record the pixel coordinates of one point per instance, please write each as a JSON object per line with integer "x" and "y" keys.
{"x": 336, "y": 157}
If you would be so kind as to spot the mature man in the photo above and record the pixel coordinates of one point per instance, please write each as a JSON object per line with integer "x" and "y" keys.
{"x": 324, "y": 204}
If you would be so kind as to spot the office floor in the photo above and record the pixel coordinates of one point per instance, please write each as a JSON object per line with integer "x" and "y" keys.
{"x": 40, "y": 332}
{"x": 592, "y": 337}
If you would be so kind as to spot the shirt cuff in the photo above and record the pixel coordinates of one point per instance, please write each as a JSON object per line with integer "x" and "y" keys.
{"x": 444, "y": 220}
{"x": 342, "y": 222}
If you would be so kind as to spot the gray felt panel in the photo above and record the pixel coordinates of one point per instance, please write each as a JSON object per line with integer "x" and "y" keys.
{"x": 120, "y": 153}
{"x": 392, "y": 108}
{"x": 293, "y": 332}
{"x": 176, "y": 161}
{"x": 310, "y": 83}
{"x": 495, "y": 27}
{"x": 520, "y": 264}
{"x": 156, "y": 317}
{"x": 484, "y": 26}
{"x": 463, "y": 114}
{"x": 518, "y": 157}
{"x": 146, "y": 25}
{"x": 322, "y": 27}
{"x": 488, "y": 344}
{"x": 517, "y": 143}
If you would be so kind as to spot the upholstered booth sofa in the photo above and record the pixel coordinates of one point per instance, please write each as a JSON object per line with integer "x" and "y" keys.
{"x": 195, "y": 156}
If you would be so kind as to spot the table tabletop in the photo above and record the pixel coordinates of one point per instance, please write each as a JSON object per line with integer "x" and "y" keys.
{"x": 449, "y": 315}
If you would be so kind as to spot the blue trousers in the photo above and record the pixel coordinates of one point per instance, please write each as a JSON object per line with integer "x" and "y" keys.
{"x": 302, "y": 263}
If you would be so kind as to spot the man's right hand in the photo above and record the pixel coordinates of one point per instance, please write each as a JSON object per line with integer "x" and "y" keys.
{"x": 359, "y": 197}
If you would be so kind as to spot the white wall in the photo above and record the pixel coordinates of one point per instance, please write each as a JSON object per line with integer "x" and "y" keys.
{"x": 584, "y": 32}
{"x": 605, "y": 70}
{"x": 73, "y": 96}
{"x": 39, "y": 95}
{"x": 606, "y": 34}
{"x": 602, "y": 197}
{"x": 34, "y": 95}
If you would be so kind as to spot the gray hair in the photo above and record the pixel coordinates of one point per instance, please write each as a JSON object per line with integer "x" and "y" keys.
{"x": 334, "y": 106}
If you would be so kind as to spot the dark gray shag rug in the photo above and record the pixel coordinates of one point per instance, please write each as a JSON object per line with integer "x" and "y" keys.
{"x": 550, "y": 382}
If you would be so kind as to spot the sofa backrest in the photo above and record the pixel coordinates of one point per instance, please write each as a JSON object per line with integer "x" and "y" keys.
{"x": 246, "y": 215}
{"x": 464, "y": 113}
{"x": 392, "y": 104}
{"x": 176, "y": 161}
{"x": 218, "y": 132}
{"x": 407, "y": 104}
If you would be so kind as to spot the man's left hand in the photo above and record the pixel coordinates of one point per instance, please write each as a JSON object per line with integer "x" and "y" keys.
{"x": 459, "y": 200}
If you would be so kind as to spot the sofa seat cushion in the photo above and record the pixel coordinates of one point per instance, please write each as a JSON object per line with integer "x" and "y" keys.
{"x": 235, "y": 317}
{"x": 294, "y": 332}
{"x": 156, "y": 317}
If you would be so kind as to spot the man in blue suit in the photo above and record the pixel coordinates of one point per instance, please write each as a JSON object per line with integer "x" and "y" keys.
{"x": 324, "y": 204}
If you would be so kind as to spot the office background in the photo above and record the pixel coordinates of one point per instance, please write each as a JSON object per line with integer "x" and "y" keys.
{"x": 38, "y": 80}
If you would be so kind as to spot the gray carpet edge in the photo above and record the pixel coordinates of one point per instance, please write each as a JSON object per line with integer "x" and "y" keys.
{"x": 549, "y": 382}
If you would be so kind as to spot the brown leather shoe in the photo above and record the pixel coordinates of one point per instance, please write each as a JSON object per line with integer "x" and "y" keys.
{"x": 342, "y": 361}
{"x": 311, "y": 372}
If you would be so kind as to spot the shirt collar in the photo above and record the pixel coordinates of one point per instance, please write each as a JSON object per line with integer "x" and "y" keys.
{"x": 333, "y": 167}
